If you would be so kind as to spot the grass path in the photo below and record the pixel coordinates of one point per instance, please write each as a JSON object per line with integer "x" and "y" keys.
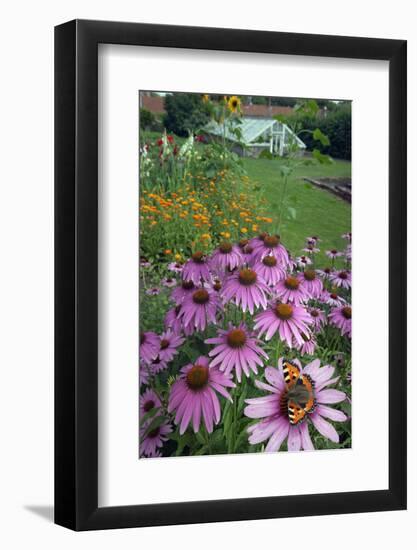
{"x": 308, "y": 210}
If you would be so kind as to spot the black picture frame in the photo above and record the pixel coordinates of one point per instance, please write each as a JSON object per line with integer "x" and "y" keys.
{"x": 76, "y": 272}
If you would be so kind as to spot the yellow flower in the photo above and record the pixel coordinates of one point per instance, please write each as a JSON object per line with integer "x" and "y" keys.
{"x": 225, "y": 234}
{"x": 234, "y": 104}
{"x": 244, "y": 230}
{"x": 177, "y": 257}
{"x": 255, "y": 227}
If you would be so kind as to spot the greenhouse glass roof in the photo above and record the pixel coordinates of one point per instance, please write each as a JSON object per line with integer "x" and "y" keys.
{"x": 250, "y": 128}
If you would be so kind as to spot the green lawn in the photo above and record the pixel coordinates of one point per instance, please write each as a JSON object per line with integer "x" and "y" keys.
{"x": 316, "y": 212}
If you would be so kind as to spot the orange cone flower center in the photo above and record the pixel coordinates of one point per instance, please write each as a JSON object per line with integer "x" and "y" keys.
{"x": 236, "y": 338}
{"x": 284, "y": 311}
{"x": 197, "y": 377}
{"x": 247, "y": 277}
{"x": 347, "y": 312}
{"x": 292, "y": 283}
{"x": 269, "y": 261}
{"x": 201, "y": 296}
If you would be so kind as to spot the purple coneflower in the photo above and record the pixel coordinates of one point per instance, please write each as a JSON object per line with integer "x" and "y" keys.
{"x": 246, "y": 289}
{"x": 325, "y": 272}
{"x": 144, "y": 263}
{"x": 152, "y": 440}
{"x": 258, "y": 241}
{"x": 347, "y": 236}
{"x": 217, "y": 284}
{"x": 269, "y": 270}
{"x": 176, "y": 267}
{"x": 318, "y": 318}
{"x": 200, "y": 308}
{"x": 148, "y": 346}
{"x": 313, "y": 239}
{"x": 348, "y": 253}
{"x": 341, "y": 317}
{"x": 333, "y": 254}
{"x": 311, "y": 282}
{"x": 226, "y": 256}
{"x": 143, "y": 373}
{"x": 168, "y": 345}
{"x": 236, "y": 348}
{"x": 289, "y": 320}
{"x": 185, "y": 289}
{"x": 292, "y": 289}
{"x": 157, "y": 365}
{"x": 196, "y": 269}
{"x": 169, "y": 282}
{"x": 342, "y": 279}
{"x": 273, "y": 409}
{"x": 194, "y": 395}
{"x": 332, "y": 298}
{"x": 308, "y": 347}
{"x": 311, "y": 249}
{"x": 271, "y": 245}
{"x": 302, "y": 261}
{"x": 147, "y": 401}
{"x": 154, "y": 291}
{"x": 174, "y": 322}
{"x": 246, "y": 250}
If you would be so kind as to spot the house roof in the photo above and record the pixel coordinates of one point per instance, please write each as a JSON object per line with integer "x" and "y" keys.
{"x": 155, "y": 104}
{"x": 265, "y": 110}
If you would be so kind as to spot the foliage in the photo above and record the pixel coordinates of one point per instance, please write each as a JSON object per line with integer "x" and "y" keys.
{"x": 185, "y": 113}
{"x": 337, "y": 127}
{"x": 198, "y": 214}
{"x": 147, "y": 119}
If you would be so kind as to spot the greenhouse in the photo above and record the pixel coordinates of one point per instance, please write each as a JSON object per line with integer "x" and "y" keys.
{"x": 254, "y": 135}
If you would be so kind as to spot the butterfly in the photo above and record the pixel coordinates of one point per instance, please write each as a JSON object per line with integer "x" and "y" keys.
{"x": 300, "y": 393}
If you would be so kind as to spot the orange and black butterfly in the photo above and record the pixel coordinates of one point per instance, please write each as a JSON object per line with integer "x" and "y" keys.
{"x": 300, "y": 393}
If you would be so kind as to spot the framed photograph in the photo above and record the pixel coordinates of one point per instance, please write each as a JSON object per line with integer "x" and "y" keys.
{"x": 224, "y": 199}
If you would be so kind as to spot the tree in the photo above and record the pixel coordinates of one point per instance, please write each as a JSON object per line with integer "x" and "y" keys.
{"x": 185, "y": 113}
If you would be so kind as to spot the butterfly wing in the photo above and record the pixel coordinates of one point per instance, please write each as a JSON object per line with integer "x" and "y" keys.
{"x": 309, "y": 385}
{"x": 291, "y": 374}
{"x": 296, "y": 414}
{"x": 293, "y": 379}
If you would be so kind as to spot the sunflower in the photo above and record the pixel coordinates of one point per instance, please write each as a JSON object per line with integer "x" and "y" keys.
{"x": 234, "y": 104}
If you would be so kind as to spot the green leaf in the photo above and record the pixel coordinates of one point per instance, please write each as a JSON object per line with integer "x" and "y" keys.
{"x": 280, "y": 118}
{"x": 200, "y": 438}
{"x": 183, "y": 441}
{"x": 285, "y": 170}
{"x": 148, "y": 415}
{"x": 322, "y": 159}
{"x": 292, "y": 212}
{"x": 156, "y": 422}
{"x": 201, "y": 451}
{"x": 319, "y": 136}
{"x": 242, "y": 398}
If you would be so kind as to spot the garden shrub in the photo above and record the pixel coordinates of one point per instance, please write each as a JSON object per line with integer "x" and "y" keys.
{"x": 337, "y": 127}
{"x": 185, "y": 113}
